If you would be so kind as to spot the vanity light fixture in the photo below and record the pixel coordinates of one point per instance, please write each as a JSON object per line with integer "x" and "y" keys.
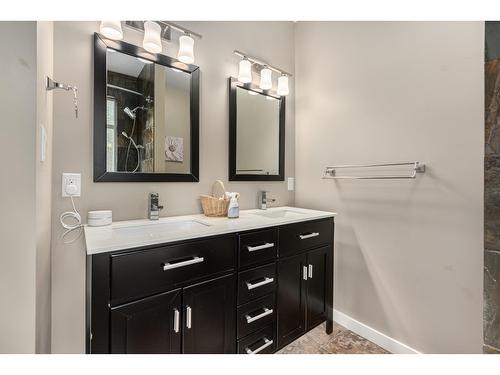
{"x": 283, "y": 85}
{"x": 152, "y": 37}
{"x": 266, "y": 82}
{"x": 186, "y": 49}
{"x": 157, "y": 31}
{"x": 111, "y": 29}
{"x": 245, "y": 73}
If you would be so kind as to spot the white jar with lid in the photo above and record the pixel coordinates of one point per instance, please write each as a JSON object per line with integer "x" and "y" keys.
{"x": 99, "y": 218}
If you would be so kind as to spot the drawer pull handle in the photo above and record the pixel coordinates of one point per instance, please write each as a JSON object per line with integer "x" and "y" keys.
{"x": 308, "y": 235}
{"x": 188, "y": 317}
{"x": 266, "y": 312}
{"x": 267, "y": 343}
{"x": 266, "y": 280}
{"x": 176, "y": 320}
{"x": 171, "y": 266}
{"x": 267, "y": 245}
{"x": 304, "y": 273}
{"x": 310, "y": 274}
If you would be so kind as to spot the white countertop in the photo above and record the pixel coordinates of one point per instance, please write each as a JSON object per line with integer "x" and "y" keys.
{"x": 129, "y": 234}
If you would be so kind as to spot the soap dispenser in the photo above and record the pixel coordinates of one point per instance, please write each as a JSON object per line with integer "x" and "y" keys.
{"x": 233, "y": 210}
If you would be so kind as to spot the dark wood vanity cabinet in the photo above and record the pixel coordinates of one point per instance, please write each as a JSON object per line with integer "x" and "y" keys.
{"x": 147, "y": 326}
{"x": 250, "y": 292}
{"x": 304, "y": 293}
{"x": 201, "y": 317}
{"x": 209, "y": 319}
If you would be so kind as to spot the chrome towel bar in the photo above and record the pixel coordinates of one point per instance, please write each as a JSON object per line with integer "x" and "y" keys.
{"x": 417, "y": 167}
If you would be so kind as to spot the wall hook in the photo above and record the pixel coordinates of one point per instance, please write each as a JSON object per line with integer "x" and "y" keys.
{"x": 52, "y": 85}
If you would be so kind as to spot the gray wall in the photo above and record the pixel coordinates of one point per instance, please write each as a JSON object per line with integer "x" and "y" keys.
{"x": 73, "y": 50}
{"x": 408, "y": 253}
{"x": 44, "y": 66}
{"x": 17, "y": 187}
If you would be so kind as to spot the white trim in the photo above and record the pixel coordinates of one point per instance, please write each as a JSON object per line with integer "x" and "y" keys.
{"x": 382, "y": 340}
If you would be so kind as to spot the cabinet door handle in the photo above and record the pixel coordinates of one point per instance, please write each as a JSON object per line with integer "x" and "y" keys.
{"x": 308, "y": 235}
{"x": 171, "y": 266}
{"x": 267, "y": 245}
{"x": 188, "y": 317}
{"x": 266, "y": 280}
{"x": 304, "y": 273}
{"x": 176, "y": 320}
{"x": 266, "y": 312}
{"x": 310, "y": 273}
{"x": 267, "y": 343}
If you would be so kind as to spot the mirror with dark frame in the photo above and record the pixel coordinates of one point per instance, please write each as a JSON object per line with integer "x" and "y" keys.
{"x": 146, "y": 115}
{"x": 256, "y": 133}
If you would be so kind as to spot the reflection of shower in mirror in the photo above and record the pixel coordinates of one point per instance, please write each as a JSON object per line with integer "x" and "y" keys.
{"x": 137, "y": 148}
{"x": 132, "y": 114}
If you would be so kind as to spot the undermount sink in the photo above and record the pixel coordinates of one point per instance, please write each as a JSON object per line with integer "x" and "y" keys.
{"x": 279, "y": 213}
{"x": 158, "y": 229}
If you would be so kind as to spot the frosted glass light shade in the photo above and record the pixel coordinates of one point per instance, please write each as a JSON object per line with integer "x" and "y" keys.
{"x": 152, "y": 38}
{"x": 111, "y": 29}
{"x": 266, "y": 82}
{"x": 245, "y": 72}
{"x": 283, "y": 86}
{"x": 186, "y": 50}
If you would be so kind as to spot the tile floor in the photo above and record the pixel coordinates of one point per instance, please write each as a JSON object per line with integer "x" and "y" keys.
{"x": 341, "y": 341}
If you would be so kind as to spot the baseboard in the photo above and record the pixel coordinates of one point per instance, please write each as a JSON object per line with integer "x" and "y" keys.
{"x": 384, "y": 341}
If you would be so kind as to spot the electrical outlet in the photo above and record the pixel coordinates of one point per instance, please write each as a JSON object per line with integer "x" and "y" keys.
{"x": 71, "y": 184}
{"x": 291, "y": 183}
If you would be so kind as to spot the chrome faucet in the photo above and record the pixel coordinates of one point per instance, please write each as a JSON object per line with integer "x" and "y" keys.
{"x": 264, "y": 200}
{"x": 153, "y": 206}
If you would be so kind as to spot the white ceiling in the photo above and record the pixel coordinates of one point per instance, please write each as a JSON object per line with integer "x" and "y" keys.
{"x": 131, "y": 66}
{"x": 125, "y": 64}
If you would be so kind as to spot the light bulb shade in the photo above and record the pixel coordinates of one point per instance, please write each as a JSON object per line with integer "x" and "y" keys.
{"x": 245, "y": 72}
{"x": 152, "y": 38}
{"x": 283, "y": 86}
{"x": 266, "y": 82}
{"x": 111, "y": 29}
{"x": 186, "y": 50}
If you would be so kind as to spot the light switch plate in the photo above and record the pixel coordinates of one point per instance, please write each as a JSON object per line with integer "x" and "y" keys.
{"x": 43, "y": 143}
{"x": 71, "y": 179}
{"x": 291, "y": 183}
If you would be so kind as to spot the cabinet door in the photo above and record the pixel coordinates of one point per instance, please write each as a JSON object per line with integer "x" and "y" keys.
{"x": 148, "y": 326}
{"x": 291, "y": 301}
{"x": 317, "y": 263}
{"x": 209, "y": 324}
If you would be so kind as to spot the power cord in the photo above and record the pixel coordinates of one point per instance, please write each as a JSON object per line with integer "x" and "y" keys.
{"x": 76, "y": 219}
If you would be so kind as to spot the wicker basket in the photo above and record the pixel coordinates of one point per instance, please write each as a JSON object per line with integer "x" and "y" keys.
{"x": 217, "y": 203}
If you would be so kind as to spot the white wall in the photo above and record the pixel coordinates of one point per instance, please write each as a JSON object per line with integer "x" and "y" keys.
{"x": 17, "y": 187}
{"x": 73, "y": 50}
{"x": 408, "y": 254}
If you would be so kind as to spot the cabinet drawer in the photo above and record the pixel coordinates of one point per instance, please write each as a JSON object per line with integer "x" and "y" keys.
{"x": 256, "y": 282}
{"x": 256, "y": 314}
{"x": 260, "y": 342}
{"x": 257, "y": 247}
{"x": 151, "y": 271}
{"x": 304, "y": 235}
